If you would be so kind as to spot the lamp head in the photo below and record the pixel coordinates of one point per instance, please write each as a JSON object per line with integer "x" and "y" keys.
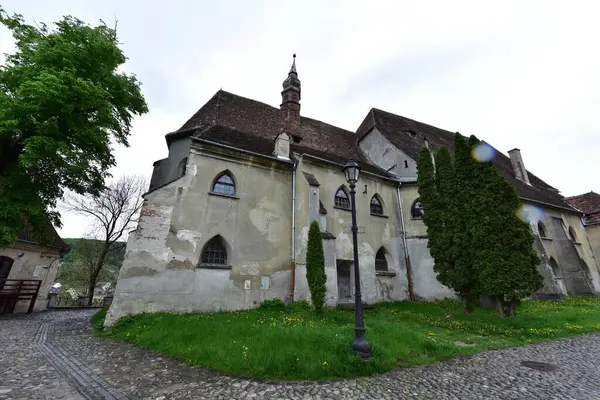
{"x": 351, "y": 172}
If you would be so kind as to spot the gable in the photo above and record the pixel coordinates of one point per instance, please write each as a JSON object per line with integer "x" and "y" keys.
{"x": 410, "y": 136}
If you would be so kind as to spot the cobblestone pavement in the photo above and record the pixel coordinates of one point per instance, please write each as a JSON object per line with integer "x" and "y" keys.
{"x": 52, "y": 355}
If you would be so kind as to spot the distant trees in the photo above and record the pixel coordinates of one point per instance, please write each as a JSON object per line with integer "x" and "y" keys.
{"x": 63, "y": 102}
{"x": 315, "y": 267}
{"x": 475, "y": 237}
{"x": 114, "y": 212}
{"x": 75, "y": 268}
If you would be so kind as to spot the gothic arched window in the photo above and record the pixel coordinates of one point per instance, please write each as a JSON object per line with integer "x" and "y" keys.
{"x": 380, "y": 261}
{"x": 376, "y": 206}
{"x": 224, "y": 184}
{"x": 416, "y": 210}
{"x": 541, "y": 229}
{"x": 341, "y": 199}
{"x": 215, "y": 252}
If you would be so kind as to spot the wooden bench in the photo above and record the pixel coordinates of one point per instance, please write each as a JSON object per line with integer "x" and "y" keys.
{"x": 14, "y": 290}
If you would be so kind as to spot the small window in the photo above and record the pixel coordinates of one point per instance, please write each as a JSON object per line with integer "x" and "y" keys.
{"x": 416, "y": 210}
{"x": 380, "y": 261}
{"x": 341, "y": 199}
{"x": 224, "y": 185}
{"x": 214, "y": 252}
{"x": 541, "y": 229}
{"x": 376, "y": 207}
{"x": 405, "y": 164}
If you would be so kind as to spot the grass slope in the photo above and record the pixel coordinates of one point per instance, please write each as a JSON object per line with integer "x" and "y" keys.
{"x": 283, "y": 343}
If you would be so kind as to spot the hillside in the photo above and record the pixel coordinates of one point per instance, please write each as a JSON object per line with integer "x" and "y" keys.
{"x": 74, "y": 271}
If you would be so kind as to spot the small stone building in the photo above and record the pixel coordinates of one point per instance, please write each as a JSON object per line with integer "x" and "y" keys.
{"x": 225, "y": 222}
{"x": 27, "y": 259}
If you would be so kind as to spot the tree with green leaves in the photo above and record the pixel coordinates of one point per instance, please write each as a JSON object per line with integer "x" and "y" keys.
{"x": 76, "y": 268}
{"x": 315, "y": 267}
{"x": 63, "y": 103}
{"x": 445, "y": 192}
{"x": 502, "y": 243}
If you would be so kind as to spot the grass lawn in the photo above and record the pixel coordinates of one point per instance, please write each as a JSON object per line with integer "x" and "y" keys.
{"x": 293, "y": 343}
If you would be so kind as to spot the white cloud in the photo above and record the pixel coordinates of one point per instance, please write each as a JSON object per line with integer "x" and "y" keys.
{"x": 517, "y": 74}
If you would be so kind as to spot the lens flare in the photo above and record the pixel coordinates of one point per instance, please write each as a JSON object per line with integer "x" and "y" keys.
{"x": 529, "y": 213}
{"x": 484, "y": 152}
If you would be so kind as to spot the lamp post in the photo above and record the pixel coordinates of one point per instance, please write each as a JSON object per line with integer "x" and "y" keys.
{"x": 360, "y": 345}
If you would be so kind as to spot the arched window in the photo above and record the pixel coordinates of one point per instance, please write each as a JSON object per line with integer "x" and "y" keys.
{"x": 6, "y": 264}
{"x": 182, "y": 167}
{"x": 224, "y": 184}
{"x": 376, "y": 206}
{"x": 541, "y": 229}
{"x": 555, "y": 268}
{"x": 416, "y": 210}
{"x": 341, "y": 199}
{"x": 215, "y": 252}
{"x": 572, "y": 234}
{"x": 380, "y": 261}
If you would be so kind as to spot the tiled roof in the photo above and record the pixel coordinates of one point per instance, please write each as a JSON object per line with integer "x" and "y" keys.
{"x": 252, "y": 125}
{"x": 54, "y": 240}
{"x": 589, "y": 204}
{"x": 409, "y": 136}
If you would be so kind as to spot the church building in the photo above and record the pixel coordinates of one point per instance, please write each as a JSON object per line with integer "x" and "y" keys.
{"x": 224, "y": 225}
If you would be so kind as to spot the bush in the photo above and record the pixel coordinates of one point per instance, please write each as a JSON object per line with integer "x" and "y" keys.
{"x": 301, "y": 305}
{"x": 272, "y": 304}
{"x": 315, "y": 267}
{"x": 98, "y": 320}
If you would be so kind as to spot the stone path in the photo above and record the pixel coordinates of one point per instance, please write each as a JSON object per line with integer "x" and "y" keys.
{"x": 52, "y": 355}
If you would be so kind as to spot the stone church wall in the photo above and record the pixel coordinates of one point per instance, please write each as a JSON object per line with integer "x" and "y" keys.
{"x": 161, "y": 271}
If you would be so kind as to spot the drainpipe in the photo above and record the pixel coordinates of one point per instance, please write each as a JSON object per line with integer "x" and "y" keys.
{"x": 293, "y": 255}
{"x": 406, "y": 255}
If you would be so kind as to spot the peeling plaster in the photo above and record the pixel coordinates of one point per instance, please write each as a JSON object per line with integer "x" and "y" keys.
{"x": 191, "y": 169}
{"x": 189, "y": 235}
{"x": 265, "y": 218}
{"x": 343, "y": 246}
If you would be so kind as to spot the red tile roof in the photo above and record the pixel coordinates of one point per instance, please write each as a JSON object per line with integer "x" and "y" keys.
{"x": 589, "y": 204}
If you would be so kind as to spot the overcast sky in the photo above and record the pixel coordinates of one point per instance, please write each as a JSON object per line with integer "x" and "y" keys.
{"x": 515, "y": 73}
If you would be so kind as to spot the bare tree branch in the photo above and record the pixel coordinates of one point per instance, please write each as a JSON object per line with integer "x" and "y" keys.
{"x": 115, "y": 212}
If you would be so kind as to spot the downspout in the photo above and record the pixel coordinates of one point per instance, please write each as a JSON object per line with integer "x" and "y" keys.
{"x": 411, "y": 296}
{"x": 293, "y": 255}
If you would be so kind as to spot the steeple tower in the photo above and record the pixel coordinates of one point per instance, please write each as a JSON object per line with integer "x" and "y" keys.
{"x": 290, "y": 96}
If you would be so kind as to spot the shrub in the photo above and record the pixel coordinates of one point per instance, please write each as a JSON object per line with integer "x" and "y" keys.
{"x": 272, "y": 304}
{"x": 315, "y": 267}
{"x": 301, "y": 305}
{"x": 98, "y": 320}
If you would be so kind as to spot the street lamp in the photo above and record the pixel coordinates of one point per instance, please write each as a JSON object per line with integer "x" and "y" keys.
{"x": 360, "y": 345}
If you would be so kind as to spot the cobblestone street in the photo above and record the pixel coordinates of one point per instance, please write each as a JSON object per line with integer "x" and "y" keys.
{"x": 52, "y": 355}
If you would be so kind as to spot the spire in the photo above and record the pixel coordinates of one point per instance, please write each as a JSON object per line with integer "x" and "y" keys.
{"x": 290, "y": 96}
{"x": 293, "y": 69}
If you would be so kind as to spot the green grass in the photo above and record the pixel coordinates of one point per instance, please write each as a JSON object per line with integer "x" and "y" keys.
{"x": 284, "y": 343}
